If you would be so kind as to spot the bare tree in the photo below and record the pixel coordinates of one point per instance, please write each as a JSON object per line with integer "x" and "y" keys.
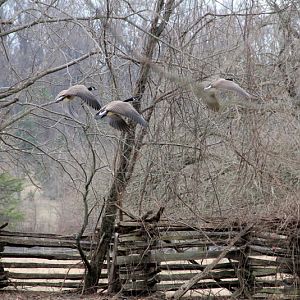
{"x": 203, "y": 154}
{"x": 127, "y": 154}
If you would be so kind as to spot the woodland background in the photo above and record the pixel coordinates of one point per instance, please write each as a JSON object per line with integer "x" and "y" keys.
{"x": 242, "y": 161}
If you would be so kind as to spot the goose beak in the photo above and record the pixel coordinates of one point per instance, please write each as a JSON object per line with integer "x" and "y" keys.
{"x": 100, "y": 114}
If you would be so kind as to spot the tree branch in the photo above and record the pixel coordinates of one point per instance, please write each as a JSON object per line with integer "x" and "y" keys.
{"x": 28, "y": 82}
{"x": 9, "y": 103}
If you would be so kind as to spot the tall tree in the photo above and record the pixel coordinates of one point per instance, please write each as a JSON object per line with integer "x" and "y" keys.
{"x": 127, "y": 154}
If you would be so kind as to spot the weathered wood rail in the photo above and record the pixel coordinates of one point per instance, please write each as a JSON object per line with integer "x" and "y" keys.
{"x": 43, "y": 260}
{"x": 161, "y": 256}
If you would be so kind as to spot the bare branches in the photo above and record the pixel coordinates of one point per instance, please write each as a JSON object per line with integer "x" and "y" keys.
{"x": 238, "y": 158}
{"x": 128, "y": 152}
{"x": 87, "y": 187}
{"x": 9, "y": 103}
{"x": 30, "y": 81}
{"x": 2, "y": 2}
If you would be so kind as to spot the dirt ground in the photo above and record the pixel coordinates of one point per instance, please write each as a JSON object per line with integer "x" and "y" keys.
{"x": 30, "y": 295}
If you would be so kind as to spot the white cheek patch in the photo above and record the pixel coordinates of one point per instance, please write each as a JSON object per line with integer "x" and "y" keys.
{"x": 61, "y": 98}
{"x": 102, "y": 114}
{"x": 208, "y": 87}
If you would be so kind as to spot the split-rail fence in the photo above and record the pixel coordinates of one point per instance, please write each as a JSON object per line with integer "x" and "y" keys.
{"x": 217, "y": 259}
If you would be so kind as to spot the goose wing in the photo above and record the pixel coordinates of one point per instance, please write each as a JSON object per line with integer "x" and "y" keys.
{"x": 235, "y": 87}
{"x": 232, "y": 86}
{"x": 211, "y": 100}
{"x": 117, "y": 122}
{"x": 70, "y": 109}
{"x": 82, "y": 92}
{"x": 127, "y": 110}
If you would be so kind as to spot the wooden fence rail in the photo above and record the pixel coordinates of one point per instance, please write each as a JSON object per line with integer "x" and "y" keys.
{"x": 161, "y": 256}
{"x": 164, "y": 256}
{"x": 43, "y": 260}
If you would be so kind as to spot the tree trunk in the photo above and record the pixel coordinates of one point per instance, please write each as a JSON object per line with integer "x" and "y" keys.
{"x": 127, "y": 156}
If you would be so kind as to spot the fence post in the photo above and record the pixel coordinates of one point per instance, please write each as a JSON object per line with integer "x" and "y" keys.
{"x": 243, "y": 270}
{"x": 3, "y": 274}
{"x": 141, "y": 277}
{"x": 114, "y": 284}
{"x": 150, "y": 232}
{"x": 294, "y": 263}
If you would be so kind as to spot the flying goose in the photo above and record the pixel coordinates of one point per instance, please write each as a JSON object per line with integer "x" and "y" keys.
{"x": 80, "y": 91}
{"x": 115, "y": 110}
{"x": 225, "y": 84}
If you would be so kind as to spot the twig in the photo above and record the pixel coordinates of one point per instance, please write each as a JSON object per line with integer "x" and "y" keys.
{"x": 3, "y": 225}
{"x": 130, "y": 215}
{"x": 9, "y": 103}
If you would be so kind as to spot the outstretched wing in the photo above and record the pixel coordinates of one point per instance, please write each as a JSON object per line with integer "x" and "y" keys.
{"x": 117, "y": 122}
{"x": 127, "y": 110}
{"x": 232, "y": 86}
{"x": 70, "y": 109}
{"x": 82, "y": 92}
{"x": 211, "y": 100}
{"x": 237, "y": 88}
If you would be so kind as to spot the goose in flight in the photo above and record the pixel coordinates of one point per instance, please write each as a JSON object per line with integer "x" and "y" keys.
{"x": 115, "y": 110}
{"x": 225, "y": 84}
{"x": 80, "y": 91}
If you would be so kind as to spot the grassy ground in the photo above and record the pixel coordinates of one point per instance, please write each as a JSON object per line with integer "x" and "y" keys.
{"x": 29, "y": 295}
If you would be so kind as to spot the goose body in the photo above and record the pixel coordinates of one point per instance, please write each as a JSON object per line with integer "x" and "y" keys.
{"x": 115, "y": 110}
{"x": 225, "y": 84}
{"x": 80, "y": 91}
